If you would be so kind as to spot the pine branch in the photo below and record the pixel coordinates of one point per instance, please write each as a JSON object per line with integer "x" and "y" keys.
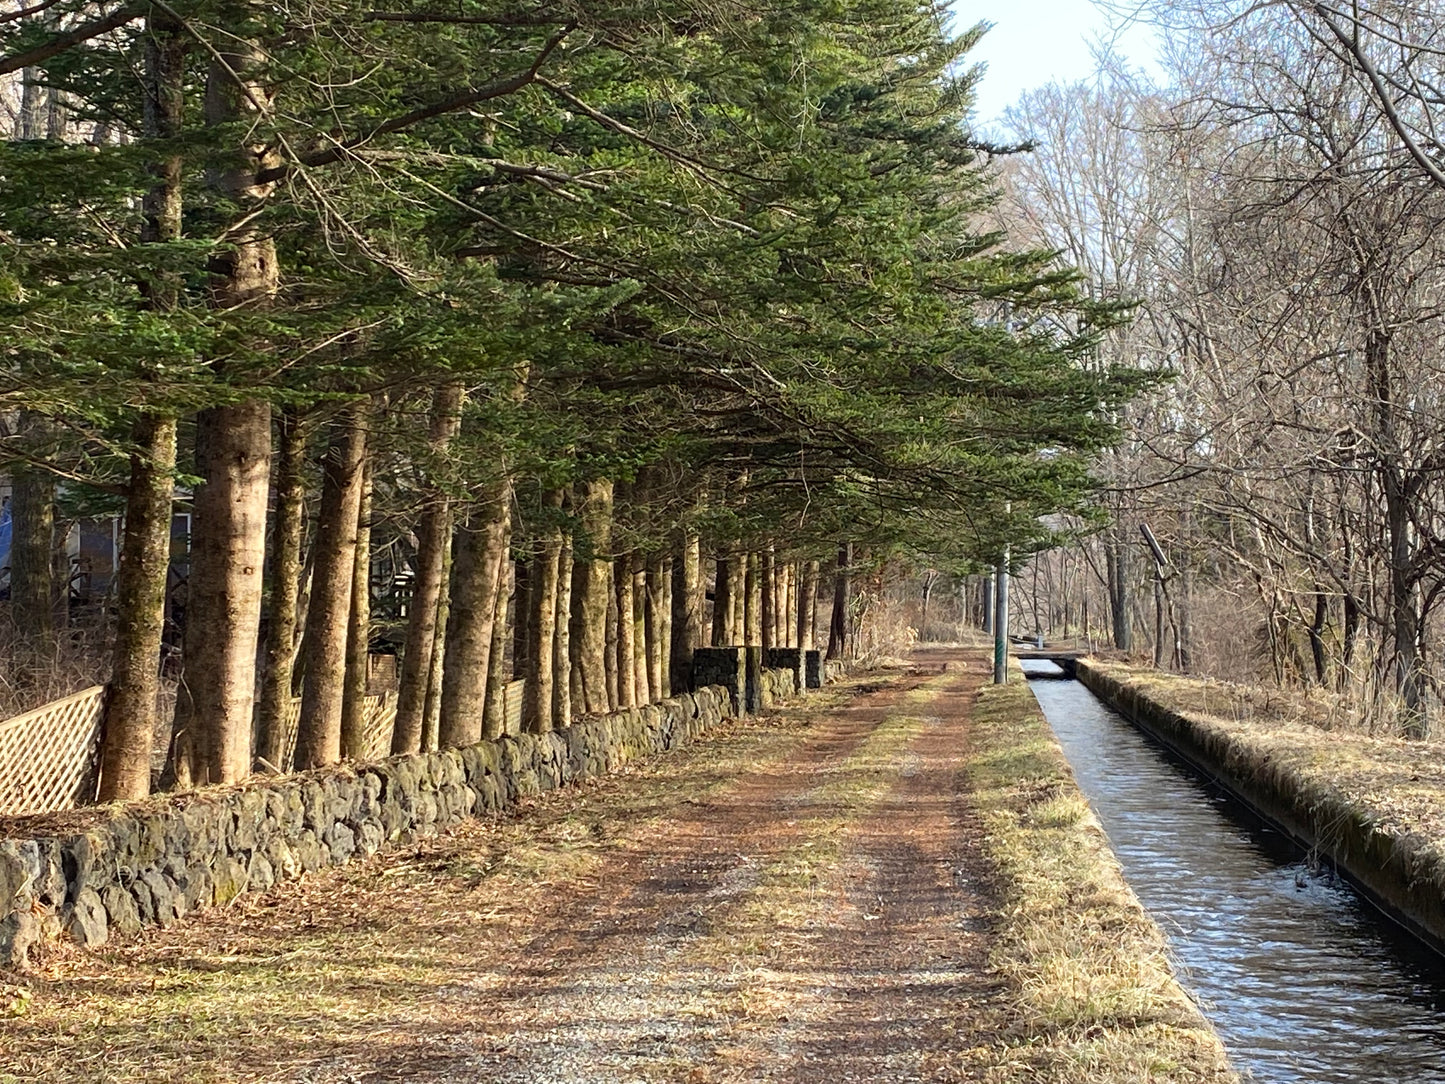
{"x": 68, "y": 40}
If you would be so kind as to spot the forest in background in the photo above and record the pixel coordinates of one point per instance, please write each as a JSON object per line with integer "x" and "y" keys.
{"x": 1273, "y": 206}
{"x": 617, "y": 330}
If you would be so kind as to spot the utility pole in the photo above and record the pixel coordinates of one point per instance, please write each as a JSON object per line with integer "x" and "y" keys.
{"x": 1000, "y": 623}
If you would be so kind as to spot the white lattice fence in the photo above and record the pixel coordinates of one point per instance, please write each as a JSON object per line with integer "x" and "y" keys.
{"x": 512, "y": 706}
{"x": 48, "y": 756}
{"x": 378, "y": 714}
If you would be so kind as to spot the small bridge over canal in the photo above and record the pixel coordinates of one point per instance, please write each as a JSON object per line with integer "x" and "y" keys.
{"x": 1065, "y": 658}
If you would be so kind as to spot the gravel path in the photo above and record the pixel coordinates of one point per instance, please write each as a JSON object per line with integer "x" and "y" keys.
{"x": 660, "y": 975}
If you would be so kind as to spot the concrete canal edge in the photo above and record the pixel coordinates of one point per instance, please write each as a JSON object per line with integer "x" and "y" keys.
{"x": 1401, "y": 871}
{"x": 1092, "y": 980}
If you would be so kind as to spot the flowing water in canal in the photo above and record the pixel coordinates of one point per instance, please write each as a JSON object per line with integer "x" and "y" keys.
{"x": 1302, "y": 979}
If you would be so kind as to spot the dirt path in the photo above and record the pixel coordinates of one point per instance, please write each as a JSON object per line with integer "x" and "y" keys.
{"x": 785, "y": 902}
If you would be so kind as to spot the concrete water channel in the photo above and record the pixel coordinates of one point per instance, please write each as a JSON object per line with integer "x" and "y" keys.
{"x": 1304, "y": 980}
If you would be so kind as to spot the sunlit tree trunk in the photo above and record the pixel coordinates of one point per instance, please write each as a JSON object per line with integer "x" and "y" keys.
{"x": 434, "y": 539}
{"x": 272, "y": 739}
{"x": 626, "y": 633}
{"x": 130, "y": 728}
{"x": 318, "y": 738}
{"x": 807, "y": 605}
{"x": 686, "y": 609}
{"x": 477, "y": 599}
{"x": 590, "y": 599}
{"x": 494, "y": 720}
{"x": 211, "y": 740}
{"x": 537, "y": 699}
{"x": 658, "y": 612}
{"x": 354, "y": 745}
{"x": 562, "y": 639}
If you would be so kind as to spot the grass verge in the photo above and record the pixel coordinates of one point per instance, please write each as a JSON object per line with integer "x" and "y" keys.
{"x": 1095, "y": 1000}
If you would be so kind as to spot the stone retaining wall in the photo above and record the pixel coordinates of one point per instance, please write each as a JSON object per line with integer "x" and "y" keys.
{"x": 752, "y": 681}
{"x": 154, "y": 861}
{"x": 778, "y": 685}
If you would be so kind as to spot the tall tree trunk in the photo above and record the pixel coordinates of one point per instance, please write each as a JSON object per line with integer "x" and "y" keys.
{"x": 626, "y": 633}
{"x": 738, "y": 596}
{"x": 212, "y": 734}
{"x": 929, "y": 578}
{"x": 272, "y": 740}
{"x": 434, "y": 538}
{"x": 787, "y": 603}
{"x": 130, "y": 729}
{"x": 767, "y": 600}
{"x": 752, "y": 607}
{"x": 431, "y": 715}
{"x": 658, "y": 612}
{"x": 686, "y": 609}
{"x": 1317, "y": 637}
{"x": 577, "y": 692}
{"x": 318, "y": 739}
{"x": 131, "y": 710}
{"x": 842, "y": 602}
{"x": 32, "y": 546}
{"x": 494, "y": 719}
{"x": 641, "y": 686}
{"x": 30, "y": 118}
{"x": 1116, "y": 557}
{"x": 722, "y": 598}
{"x": 590, "y": 599}
{"x": 561, "y": 640}
{"x": 477, "y": 597}
{"x": 1184, "y": 601}
{"x": 1406, "y": 621}
{"x": 1349, "y": 633}
{"x": 521, "y": 616}
{"x": 537, "y": 699}
{"x": 807, "y": 605}
{"x": 354, "y": 745}
{"x": 613, "y": 636}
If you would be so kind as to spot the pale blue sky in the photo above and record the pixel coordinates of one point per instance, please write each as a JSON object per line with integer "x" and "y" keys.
{"x": 1034, "y": 42}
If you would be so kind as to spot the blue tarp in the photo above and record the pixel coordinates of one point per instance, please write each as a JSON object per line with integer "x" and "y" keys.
{"x": 4, "y": 536}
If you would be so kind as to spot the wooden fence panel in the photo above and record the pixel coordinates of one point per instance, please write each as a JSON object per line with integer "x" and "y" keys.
{"x": 512, "y": 706}
{"x": 380, "y": 716}
{"x": 48, "y": 756}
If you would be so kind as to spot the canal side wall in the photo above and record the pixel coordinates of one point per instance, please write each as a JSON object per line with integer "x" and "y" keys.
{"x": 1286, "y": 776}
{"x": 116, "y": 869}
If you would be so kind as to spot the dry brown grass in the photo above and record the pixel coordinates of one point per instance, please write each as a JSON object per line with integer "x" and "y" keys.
{"x": 30, "y": 678}
{"x": 1095, "y": 999}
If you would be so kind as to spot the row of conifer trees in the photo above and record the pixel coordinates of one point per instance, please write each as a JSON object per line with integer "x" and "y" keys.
{"x": 588, "y": 290}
